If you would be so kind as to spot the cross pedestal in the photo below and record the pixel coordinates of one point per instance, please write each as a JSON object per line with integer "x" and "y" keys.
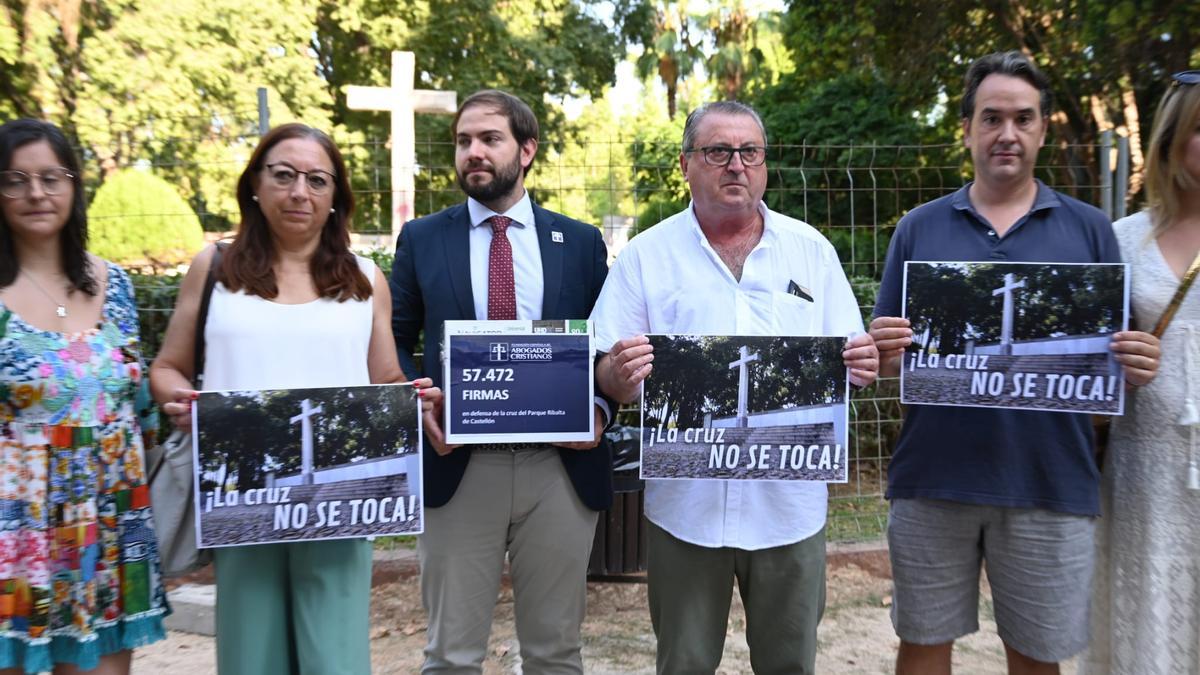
{"x": 743, "y": 366}
{"x": 1006, "y": 317}
{"x": 304, "y": 419}
{"x": 402, "y": 101}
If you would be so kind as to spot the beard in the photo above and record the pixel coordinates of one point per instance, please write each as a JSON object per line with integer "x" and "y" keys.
{"x": 504, "y": 180}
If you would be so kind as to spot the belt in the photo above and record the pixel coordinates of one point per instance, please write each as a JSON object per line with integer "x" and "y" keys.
{"x": 510, "y": 448}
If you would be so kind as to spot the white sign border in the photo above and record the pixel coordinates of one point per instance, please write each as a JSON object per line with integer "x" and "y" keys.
{"x": 1120, "y": 387}
{"x": 642, "y": 422}
{"x": 198, "y": 497}
{"x": 516, "y": 328}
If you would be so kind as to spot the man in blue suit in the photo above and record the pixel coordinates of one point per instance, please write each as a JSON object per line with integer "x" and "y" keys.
{"x": 499, "y": 256}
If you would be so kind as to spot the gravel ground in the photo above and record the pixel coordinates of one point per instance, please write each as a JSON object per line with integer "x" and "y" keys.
{"x": 855, "y": 637}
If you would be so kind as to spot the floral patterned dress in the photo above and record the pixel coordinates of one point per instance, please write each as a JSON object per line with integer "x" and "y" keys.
{"x": 79, "y": 571}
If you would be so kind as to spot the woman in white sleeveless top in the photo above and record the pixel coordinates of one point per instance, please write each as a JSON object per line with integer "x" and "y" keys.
{"x": 1146, "y": 606}
{"x": 293, "y": 308}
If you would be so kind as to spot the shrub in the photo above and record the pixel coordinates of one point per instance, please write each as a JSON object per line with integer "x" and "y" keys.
{"x": 138, "y": 218}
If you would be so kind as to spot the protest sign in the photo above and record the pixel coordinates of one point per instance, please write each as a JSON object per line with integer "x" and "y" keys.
{"x": 746, "y": 408}
{"x": 519, "y": 381}
{"x": 307, "y": 464}
{"x": 1031, "y": 336}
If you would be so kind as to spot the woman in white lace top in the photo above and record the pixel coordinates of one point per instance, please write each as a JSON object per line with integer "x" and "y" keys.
{"x": 1146, "y": 607}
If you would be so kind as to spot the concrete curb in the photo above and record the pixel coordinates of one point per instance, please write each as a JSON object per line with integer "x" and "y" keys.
{"x": 193, "y": 609}
{"x": 193, "y": 598}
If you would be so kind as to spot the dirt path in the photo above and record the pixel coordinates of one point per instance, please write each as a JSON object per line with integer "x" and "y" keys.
{"x": 855, "y": 637}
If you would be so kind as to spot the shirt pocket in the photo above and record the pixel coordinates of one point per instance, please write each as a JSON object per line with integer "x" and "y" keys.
{"x": 792, "y": 315}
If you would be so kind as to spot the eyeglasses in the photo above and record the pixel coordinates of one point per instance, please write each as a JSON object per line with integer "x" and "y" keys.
{"x": 284, "y": 175}
{"x": 1186, "y": 77}
{"x": 18, "y": 184}
{"x": 722, "y": 155}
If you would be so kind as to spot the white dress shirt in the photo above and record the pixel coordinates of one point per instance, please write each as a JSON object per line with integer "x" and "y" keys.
{"x": 527, "y": 258}
{"x": 527, "y": 263}
{"x": 669, "y": 279}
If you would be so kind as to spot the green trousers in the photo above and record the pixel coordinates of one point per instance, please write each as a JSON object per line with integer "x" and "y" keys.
{"x": 300, "y": 609}
{"x": 691, "y": 589}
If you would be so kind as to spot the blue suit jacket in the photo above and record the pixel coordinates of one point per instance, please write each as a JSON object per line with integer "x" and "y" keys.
{"x": 431, "y": 283}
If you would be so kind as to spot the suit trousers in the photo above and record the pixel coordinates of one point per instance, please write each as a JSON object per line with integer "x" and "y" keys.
{"x": 299, "y": 608}
{"x": 691, "y": 589}
{"x": 524, "y": 504}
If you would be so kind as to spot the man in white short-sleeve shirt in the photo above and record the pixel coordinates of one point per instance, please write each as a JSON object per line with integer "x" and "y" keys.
{"x": 728, "y": 265}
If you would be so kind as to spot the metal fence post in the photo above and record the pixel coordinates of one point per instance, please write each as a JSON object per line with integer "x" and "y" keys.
{"x": 264, "y": 113}
{"x": 1106, "y": 177}
{"x": 1122, "y": 182}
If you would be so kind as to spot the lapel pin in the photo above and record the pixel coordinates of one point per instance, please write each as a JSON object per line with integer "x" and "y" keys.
{"x": 556, "y": 237}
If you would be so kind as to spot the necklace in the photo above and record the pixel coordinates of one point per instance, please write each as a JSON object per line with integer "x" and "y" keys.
{"x": 59, "y": 308}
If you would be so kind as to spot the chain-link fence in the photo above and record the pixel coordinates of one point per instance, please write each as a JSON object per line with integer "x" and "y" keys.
{"x": 854, "y": 194}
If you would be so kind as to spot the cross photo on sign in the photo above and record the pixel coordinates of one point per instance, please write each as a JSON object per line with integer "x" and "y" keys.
{"x": 746, "y": 408}
{"x": 307, "y": 464}
{"x": 1032, "y": 336}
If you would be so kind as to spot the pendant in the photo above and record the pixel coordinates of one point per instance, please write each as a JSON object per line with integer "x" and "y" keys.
{"x": 61, "y": 311}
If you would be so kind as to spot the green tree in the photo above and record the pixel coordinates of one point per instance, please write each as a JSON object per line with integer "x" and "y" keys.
{"x": 170, "y": 84}
{"x": 736, "y": 56}
{"x": 1107, "y": 60}
{"x": 137, "y": 217}
{"x": 542, "y": 51}
{"x": 840, "y": 144}
{"x": 669, "y": 50}
{"x": 584, "y": 176}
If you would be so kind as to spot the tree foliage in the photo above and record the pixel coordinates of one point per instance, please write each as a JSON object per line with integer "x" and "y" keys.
{"x": 669, "y": 50}
{"x": 1108, "y": 60}
{"x": 542, "y": 51}
{"x": 826, "y": 169}
{"x": 168, "y": 84}
{"x": 175, "y": 84}
{"x": 584, "y": 176}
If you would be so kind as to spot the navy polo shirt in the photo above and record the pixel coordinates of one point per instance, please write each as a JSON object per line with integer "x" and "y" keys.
{"x": 1012, "y": 458}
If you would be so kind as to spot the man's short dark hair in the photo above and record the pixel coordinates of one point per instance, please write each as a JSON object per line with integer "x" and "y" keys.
{"x": 522, "y": 123}
{"x": 1013, "y": 64}
{"x": 720, "y": 108}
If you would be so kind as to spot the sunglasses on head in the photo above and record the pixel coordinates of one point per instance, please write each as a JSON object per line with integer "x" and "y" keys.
{"x": 1186, "y": 77}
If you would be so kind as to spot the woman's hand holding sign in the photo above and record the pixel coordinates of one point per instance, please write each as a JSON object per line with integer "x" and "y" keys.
{"x": 431, "y": 411}
{"x": 1138, "y": 353}
{"x": 179, "y": 409}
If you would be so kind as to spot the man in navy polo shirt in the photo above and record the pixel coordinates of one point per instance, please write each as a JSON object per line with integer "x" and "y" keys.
{"x": 1013, "y": 489}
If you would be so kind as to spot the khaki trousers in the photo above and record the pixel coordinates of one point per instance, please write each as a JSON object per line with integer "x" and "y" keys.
{"x": 691, "y": 588}
{"x": 523, "y": 504}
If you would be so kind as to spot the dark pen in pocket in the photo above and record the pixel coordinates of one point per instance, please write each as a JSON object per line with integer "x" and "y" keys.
{"x": 799, "y": 291}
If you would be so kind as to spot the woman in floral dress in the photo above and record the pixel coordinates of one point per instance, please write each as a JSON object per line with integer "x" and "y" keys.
{"x": 79, "y": 575}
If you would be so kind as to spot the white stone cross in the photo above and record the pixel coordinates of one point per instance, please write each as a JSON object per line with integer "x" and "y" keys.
{"x": 307, "y": 412}
{"x": 402, "y": 101}
{"x": 1006, "y": 318}
{"x": 743, "y": 404}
